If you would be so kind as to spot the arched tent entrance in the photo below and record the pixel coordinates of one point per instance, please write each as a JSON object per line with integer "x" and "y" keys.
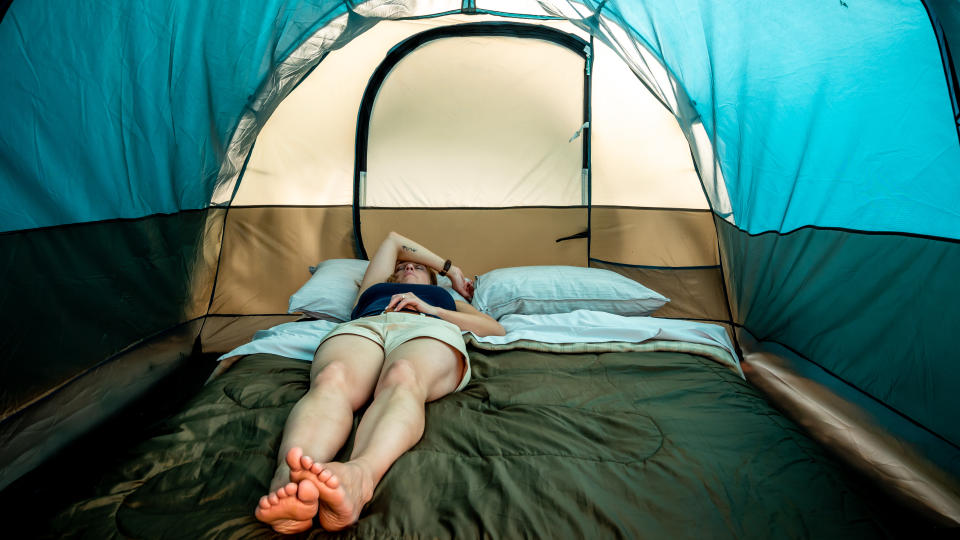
{"x": 495, "y": 130}
{"x": 139, "y": 211}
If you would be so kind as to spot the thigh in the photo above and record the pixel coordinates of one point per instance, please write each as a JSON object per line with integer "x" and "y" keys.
{"x": 437, "y": 365}
{"x": 360, "y": 358}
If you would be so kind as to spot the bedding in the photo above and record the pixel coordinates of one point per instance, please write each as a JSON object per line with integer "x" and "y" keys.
{"x": 528, "y": 290}
{"x": 539, "y": 444}
{"x": 331, "y": 290}
{"x": 578, "y": 331}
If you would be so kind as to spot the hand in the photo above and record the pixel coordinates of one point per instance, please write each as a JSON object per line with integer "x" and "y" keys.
{"x": 460, "y": 283}
{"x": 399, "y": 302}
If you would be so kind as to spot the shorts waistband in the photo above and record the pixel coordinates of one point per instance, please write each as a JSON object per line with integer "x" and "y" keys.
{"x": 406, "y": 312}
{"x": 401, "y": 314}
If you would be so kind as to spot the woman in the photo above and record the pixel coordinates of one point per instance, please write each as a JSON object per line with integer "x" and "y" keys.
{"x": 404, "y": 347}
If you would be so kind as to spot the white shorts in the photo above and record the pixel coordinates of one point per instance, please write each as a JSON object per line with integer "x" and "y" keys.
{"x": 390, "y": 330}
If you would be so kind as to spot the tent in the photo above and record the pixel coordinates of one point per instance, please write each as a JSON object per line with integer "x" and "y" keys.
{"x": 170, "y": 169}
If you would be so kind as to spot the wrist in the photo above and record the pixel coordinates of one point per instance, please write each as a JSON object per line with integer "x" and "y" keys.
{"x": 445, "y": 268}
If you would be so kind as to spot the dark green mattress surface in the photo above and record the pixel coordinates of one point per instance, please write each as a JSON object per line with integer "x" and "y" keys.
{"x": 637, "y": 445}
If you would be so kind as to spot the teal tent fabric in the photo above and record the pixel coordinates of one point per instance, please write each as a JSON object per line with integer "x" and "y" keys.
{"x": 124, "y": 109}
{"x": 836, "y": 115}
{"x": 946, "y": 14}
{"x": 869, "y": 308}
{"x": 73, "y": 296}
{"x": 117, "y": 118}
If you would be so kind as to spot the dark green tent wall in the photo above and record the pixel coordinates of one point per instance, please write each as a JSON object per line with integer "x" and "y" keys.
{"x": 835, "y": 127}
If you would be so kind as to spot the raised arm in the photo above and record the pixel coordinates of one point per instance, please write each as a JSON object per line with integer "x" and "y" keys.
{"x": 397, "y": 247}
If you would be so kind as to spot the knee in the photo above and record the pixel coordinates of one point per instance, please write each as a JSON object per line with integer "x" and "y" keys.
{"x": 332, "y": 375}
{"x": 336, "y": 380}
{"x": 401, "y": 374}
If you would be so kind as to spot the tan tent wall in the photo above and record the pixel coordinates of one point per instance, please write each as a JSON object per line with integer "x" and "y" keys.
{"x": 659, "y": 237}
{"x": 480, "y": 240}
{"x": 205, "y": 265}
{"x": 694, "y": 293}
{"x": 674, "y": 252}
{"x": 265, "y": 257}
{"x": 267, "y": 250}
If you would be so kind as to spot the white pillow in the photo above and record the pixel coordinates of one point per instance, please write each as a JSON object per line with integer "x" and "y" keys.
{"x": 332, "y": 291}
{"x": 533, "y": 290}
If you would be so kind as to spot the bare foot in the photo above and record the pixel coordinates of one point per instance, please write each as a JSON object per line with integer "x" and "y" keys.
{"x": 342, "y": 487}
{"x": 343, "y": 495}
{"x": 290, "y": 509}
{"x": 302, "y": 467}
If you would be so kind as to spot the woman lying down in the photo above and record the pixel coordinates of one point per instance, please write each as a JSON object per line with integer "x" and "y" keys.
{"x": 403, "y": 346}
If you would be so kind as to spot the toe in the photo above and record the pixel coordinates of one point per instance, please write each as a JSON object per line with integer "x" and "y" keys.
{"x": 293, "y": 458}
{"x": 306, "y": 462}
{"x": 264, "y": 502}
{"x": 290, "y": 489}
{"x": 273, "y": 499}
{"x": 332, "y": 482}
{"x": 307, "y": 491}
{"x": 324, "y": 475}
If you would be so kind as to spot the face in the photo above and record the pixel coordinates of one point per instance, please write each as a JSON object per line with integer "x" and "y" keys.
{"x": 410, "y": 272}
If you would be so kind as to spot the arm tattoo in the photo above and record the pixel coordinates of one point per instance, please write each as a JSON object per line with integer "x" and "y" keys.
{"x": 407, "y": 248}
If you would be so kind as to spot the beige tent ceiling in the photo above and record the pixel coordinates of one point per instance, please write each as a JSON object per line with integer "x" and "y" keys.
{"x": 305, "y": 153}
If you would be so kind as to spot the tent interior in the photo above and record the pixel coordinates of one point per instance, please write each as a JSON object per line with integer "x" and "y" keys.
{"x": 789, "y": 173}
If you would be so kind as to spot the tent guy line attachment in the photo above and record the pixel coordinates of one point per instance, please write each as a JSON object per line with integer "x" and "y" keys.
{"x": 579, "y": 131}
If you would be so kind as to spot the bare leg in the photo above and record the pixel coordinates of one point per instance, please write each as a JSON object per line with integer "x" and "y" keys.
{"x": 344, "y": 372}
{"x": 343, "y": 375}
{"x": 419, "y": 371}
